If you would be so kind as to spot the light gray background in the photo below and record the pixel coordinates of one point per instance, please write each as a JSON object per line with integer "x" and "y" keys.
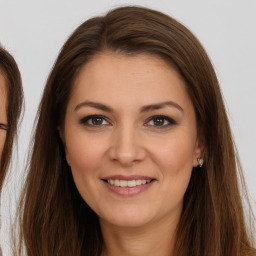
{"x": 34, "y": 31}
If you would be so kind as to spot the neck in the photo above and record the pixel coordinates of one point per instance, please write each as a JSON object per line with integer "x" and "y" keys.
{"x": 152, "y": 240}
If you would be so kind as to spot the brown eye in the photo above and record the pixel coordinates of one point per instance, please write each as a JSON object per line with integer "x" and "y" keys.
{"x": 97, "y": 120}
{"x": 158, "y": 121}
{"x": 94, "y": 120}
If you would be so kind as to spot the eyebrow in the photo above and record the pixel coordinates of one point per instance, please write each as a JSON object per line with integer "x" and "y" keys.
{"x": 94, "y": 105}
{"x": 161, "y": 105}
{"x": 4, "y": 126}
{"x": 143, "y": 109}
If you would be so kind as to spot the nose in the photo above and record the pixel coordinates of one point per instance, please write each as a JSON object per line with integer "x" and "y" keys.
{"x": 127, "y": 146}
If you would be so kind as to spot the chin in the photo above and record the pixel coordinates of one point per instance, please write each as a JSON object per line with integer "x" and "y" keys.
{"x": 127, "y": 220}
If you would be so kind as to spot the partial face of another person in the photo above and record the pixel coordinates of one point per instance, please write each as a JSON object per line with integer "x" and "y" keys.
{"x": 130, "y": 136}
{"x": 3, "y": 112}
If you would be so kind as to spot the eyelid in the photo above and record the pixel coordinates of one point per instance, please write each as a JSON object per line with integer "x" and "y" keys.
{"x": 4, "y": 127}
{"x": 84, "y": 120}
{"x": 170, "y": 120}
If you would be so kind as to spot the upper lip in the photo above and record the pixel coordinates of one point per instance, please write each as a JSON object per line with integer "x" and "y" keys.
{"x": 128, "y": 177}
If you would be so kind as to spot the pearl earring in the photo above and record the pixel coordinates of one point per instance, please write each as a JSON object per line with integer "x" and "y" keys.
{"x": 200, "y": 161}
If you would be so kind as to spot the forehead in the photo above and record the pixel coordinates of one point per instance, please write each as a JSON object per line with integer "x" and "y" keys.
{"x": 110, "y": 74}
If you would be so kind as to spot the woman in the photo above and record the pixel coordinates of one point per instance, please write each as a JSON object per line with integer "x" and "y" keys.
{"x": 133, "y": 153}
{"x": 11, "y": 96}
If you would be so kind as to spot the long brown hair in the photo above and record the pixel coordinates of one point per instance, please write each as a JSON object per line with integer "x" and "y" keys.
{"x": 55, "y": 220}
{"x": 9, "y": 70}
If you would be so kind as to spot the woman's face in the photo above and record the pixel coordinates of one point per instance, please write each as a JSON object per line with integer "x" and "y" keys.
{"x": 3, "y": 112}
{"x": 131, "y": 139}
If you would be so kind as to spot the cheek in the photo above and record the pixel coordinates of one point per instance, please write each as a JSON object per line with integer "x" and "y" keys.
{"x": 84, "y": 153}
{"x": 174, "y": 157}
{"x": 85, "y": 156}
{"x": 174, "y": 154}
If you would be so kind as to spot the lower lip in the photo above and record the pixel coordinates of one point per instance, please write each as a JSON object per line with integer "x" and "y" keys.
{"x": 128, "y": 191}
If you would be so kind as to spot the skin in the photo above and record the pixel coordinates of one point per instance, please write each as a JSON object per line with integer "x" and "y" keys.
{"x": 128, "y": 142}
{"x": 3, "y": 112}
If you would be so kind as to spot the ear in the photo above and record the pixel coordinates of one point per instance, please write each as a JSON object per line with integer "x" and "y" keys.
{"x": 62, "y": 137}
{"x": 199, "y": 150}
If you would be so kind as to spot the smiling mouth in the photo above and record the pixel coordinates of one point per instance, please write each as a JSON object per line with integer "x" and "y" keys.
{"x": 128, "y": 183}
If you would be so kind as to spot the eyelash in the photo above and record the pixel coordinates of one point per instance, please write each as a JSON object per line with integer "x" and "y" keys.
{"x": 85, "y": 121}
{"x": 165, "y": 118}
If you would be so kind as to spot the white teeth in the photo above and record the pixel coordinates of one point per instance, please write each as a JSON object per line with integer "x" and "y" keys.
{"x": 138, "y": 182}
{"x": 128, "y": 183}
{"x": 123, "y": 183}
{"x": 131, "y": 183}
